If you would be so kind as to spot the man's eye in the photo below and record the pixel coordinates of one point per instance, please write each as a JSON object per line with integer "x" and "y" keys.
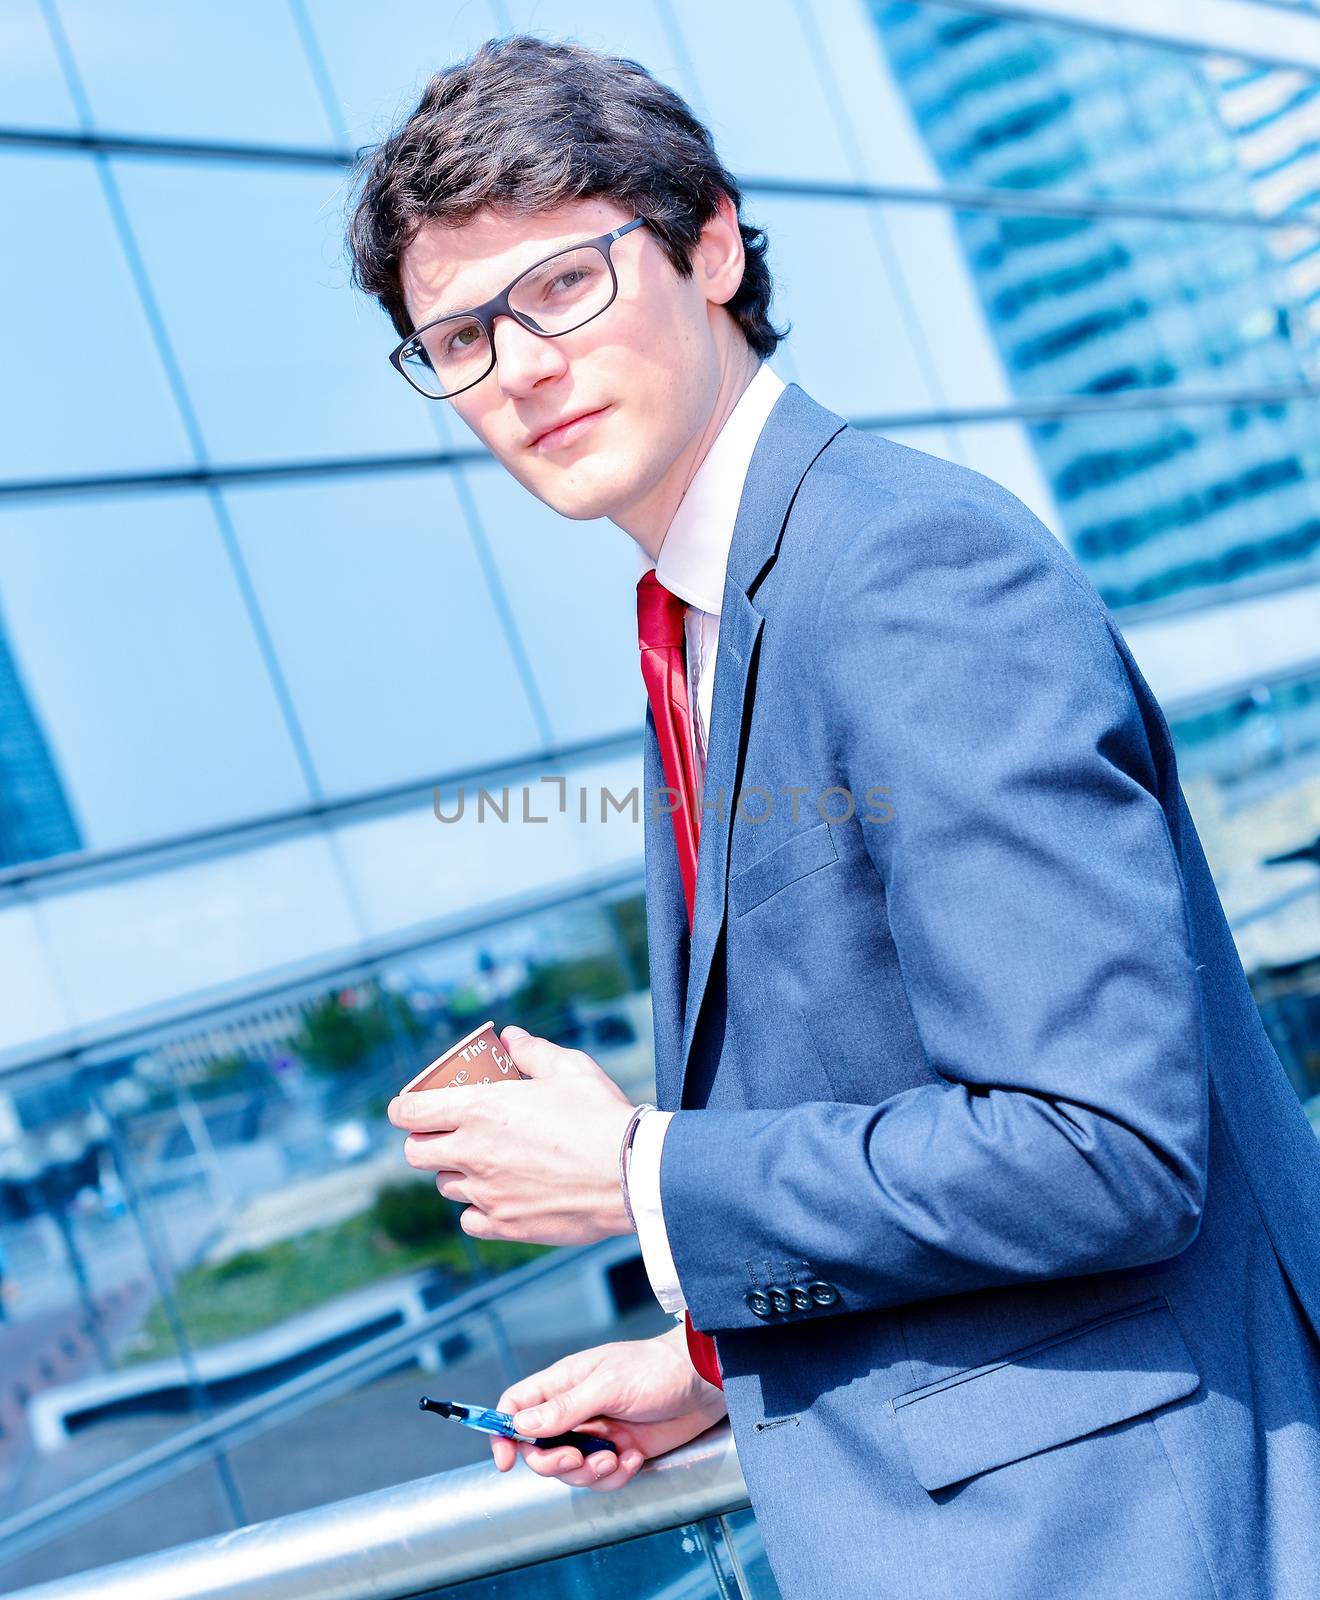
{"x": 454, "y": 337}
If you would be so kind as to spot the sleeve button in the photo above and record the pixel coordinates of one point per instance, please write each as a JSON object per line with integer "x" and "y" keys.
{"x": 824, "y": 1294}
{"x": 779, "y": 1300}
{"x": 801, "y": 1299}
{"x": 759, "y": 1303}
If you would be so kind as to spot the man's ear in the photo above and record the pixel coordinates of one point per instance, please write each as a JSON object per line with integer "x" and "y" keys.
{"x": 718, "y": 257}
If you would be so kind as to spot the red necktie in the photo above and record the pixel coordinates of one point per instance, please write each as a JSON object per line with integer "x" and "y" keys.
{"x": 664, "y": 667}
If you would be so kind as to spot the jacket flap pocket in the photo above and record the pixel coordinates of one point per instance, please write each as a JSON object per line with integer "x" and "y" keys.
{"x": 799, "y": 854}
{"x": 1088, "y": 1377}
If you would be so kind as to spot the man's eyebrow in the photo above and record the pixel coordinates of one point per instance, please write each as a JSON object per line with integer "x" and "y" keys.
{"x": 467, "y": 305}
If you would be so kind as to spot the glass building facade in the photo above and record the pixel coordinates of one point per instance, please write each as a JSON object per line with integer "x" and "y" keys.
{"x": 240, "y": 901}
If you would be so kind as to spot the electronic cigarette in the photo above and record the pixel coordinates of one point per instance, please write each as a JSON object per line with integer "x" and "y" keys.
{"x": 485, "y": 1420}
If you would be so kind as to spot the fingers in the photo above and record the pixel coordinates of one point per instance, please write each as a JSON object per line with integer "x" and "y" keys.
{"x": 602, "y": 1469}
{"x": 504, "y": 1451}
{"x": 429, "y": 1152}
{"x": 539, "y": 1386}
{"x": 532, "y": 1055}
{"x": 526, "y": 1392}
{"x": 453, "y": 1186}
{"x": 560, "y": 1411}
{"x": 564, "y": 1391}
{"x": 625, "y": 1469}
{"x": 433, "y": 1110}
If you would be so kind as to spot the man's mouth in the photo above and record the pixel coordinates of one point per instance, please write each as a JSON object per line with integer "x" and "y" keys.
{"x": 566, "y": 432}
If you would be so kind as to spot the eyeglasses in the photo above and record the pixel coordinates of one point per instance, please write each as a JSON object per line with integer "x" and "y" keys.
{"x": 552, "y": 296}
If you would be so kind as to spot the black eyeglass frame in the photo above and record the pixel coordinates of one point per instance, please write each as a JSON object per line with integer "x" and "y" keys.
{"x": 498, "y": 306}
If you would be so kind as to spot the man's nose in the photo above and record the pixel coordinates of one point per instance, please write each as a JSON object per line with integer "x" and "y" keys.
{"x": 522, "y": 357}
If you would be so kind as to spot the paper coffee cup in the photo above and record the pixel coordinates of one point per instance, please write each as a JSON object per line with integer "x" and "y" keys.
{"x": 478, "y": 1058}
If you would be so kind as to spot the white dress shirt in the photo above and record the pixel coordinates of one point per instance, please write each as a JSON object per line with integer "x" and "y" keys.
{"x": 693, "y": 557}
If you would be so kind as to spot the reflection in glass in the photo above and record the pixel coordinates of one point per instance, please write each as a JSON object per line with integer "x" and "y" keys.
{"x": 677, "y": 1564}
{"x": 1249, "y": 763}
{"x": 1164, "y": 504}
{"x": 129, "y": 627}
{"x": 1156, "y": 502}
{"x": 239, "y": 1198}
{"x": 35, "y": 816}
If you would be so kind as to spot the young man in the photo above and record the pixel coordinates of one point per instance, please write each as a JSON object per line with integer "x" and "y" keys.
{"x": 974, "y": 1158}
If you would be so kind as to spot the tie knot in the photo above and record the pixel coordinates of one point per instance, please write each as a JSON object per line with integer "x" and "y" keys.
{"x": 659, "y": 614}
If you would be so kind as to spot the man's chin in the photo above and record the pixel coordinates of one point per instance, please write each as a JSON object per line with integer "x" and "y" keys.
{"x": 580, "y": 501}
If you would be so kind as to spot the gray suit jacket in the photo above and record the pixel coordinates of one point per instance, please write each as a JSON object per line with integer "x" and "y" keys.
{"x": 984, "y": 1174}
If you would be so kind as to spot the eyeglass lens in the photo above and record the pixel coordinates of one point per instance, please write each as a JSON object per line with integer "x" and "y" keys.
{"x": 554, "y": 297}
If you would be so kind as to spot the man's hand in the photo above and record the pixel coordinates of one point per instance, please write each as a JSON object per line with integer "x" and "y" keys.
{"x": 642, "y": 1394}
{"x": 535, "y": 1160}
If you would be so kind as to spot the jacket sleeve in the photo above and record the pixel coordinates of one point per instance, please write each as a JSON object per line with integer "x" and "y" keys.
{"x": 1037, "y": 912}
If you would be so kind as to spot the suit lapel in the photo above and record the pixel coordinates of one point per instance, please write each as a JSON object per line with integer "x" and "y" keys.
{"x": 740, "y": 631}
{"x": 795, "y": 433}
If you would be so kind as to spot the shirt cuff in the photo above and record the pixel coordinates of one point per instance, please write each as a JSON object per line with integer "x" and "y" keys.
{"x": 644, "y": 1196}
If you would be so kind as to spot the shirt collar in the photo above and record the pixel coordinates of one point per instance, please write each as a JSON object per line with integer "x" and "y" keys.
{"x": 695, "y": 550}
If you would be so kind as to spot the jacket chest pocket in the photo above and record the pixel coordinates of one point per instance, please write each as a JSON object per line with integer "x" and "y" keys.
{"x": 1105, "y": 1371}
{"x": 801, "y": 853}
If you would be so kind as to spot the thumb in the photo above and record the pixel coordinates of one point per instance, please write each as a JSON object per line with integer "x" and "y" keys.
{"x": 533, "y": 1056}
{"x": 563, "y": 1411}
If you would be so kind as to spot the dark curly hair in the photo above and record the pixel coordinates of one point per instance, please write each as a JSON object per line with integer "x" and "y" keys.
{"x": 526, "y": 124}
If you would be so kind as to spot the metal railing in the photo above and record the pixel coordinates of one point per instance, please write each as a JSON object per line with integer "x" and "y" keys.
{"x": 469, "y": 1523}
{"x": 203, "y": 1441}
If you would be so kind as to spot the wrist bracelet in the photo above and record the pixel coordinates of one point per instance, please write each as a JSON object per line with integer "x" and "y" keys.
{"x": 625, "y": 1145}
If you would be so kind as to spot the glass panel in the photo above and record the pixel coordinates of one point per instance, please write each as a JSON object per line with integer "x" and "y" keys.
{"x": 1033, "y": 104}
{"x": 881, "y": 135}
{"x": 409, "y": 869}
{"x": 34, "y": 1007}
{"x": 749, "y": 75}
{"x": 1100, "y": 307}
{"x": 675, "y": 1564}
{"x": 589, "y": 678}
{"x": 382, "y": 665}
{"x": 119, "y": 615}
{"x": 853, "y": 338}
{"x": 36, "y": 820}
{"x": 147, "y": 939}
{"x": 376, "y": 80}
{"x": 233, "y": 73}
{"x": 376, "y": 1436}
{"x": 1166, "y": 505}
{"x": 251, "y": 1154}
{"x": 1249, "y": 764}
{"x": 940, "y": 292}
{"x": 281, "y": 359}
{"x": 1173, "y": 502}
{"x": 144, "y": 939}
{"x": 85, "y": 1243}
{"x": 93, "y": 397}
{"x": 194, "y": 1507}
{"x": 33, "y": 92}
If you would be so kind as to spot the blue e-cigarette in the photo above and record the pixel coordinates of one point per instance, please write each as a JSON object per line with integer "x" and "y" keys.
{"x": 485, "y": 1420}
